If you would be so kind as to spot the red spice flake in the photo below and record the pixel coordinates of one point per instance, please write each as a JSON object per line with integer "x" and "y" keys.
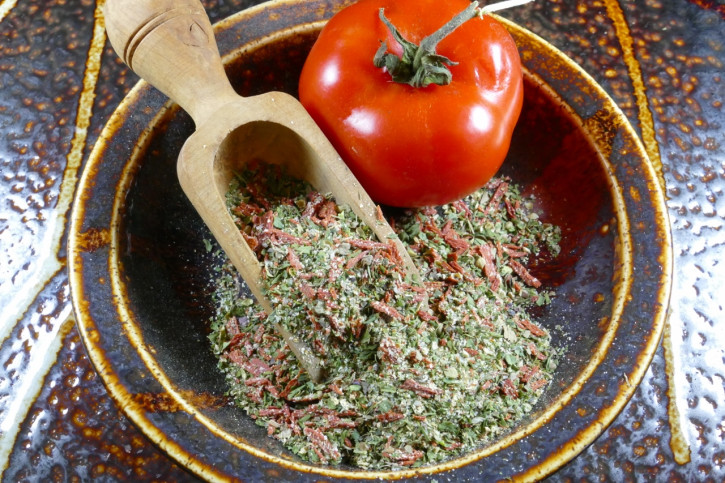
{"x": 335, "y": 271}
{"x": 288, "y": 388}
{"x": 314, "y": 320}
{"x": 247, "y": 209}
{"x": 485, "y": 322}
{"x": 492, "y": 205}
{"x": 389, "y": 417}
{"x": 366, "y": 244}
{"x": 431, "y": 227}
{"x": 471, "y": 352}
{"x": 321, "y": 211}
{"x": 386, "y": 309}
{"x": 279, "y": 236}
{"x": 499, "y": 249}
{"x": 418, "y": 417}
{"x": 315, "y": 410}
{"x": 255, "y": 394}
{"x": 252, "y": 241}
{"x": 420, "y": 292}
{"x": 432, "y": 286}
{"x": 527, "y": 373}
{"x": 434, "y": 258}
{"x": 462, "y": 207}
{"x": 509, "y": 389}
{"x": 294, "y": 260}
{"x": 320, "y": 346}
{"x": 257, "y": 382}
{"x": 522, "y": 272}
{"x": 255, "y": 366}
{"x": 320, "y": 442}
{"x": 327, "y": 294}
{"x": 420, "y": 389}
{"x": 389, "y": 351}
{"x": 454, "y": 240}
{"x": 314, "y": 201}
{"x": 513, "y": 251}
{"x": 379, "y": 214}
{"x": 489, "y": 266}
{"x": 429, "y": 211}
{"x": 259, "y": 334}
{"x": 307, "y": 290}
{"x": 232, "y": 327}
{"x": 335, "y": 388}
{"x": 426, "y": 315}
{"x": 394, "y": 254}
{"x": 337, "y": 326}
{"x": 349, "y": 413}
{"x": 236, "y": 357}
{"x": 410, "y": 458}
{"x": 414, "y": 357}
{"x": 452, "y": 446}
{"x": 511, "y": 208}
{"x": 537, "y": 384}
{"x": 356, "y": 328}
{"x": 525, "y": 324}
{"x": 271, "y": 412}
{"x": 319, "y": 454}
{"x": 535, "y": 351}
{"x": 258, "y": 193}
{"x": 327, "y": 212}
{"x": 354, "y": 260}
{"x": 246, "y": 345}
{"x": 399, "y": 456}
{"x": 334, "y": 422}
{"x": 266, "y": 221}
{"x": 458, "y": 268}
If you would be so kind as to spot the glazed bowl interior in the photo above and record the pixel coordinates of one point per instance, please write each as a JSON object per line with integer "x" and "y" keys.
{"x": 155, "y": 274}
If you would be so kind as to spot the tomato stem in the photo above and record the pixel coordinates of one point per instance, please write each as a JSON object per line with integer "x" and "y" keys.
{"x": 420, "y": 65}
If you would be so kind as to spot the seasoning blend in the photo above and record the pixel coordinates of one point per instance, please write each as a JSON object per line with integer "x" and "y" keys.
{"x": 415, "y": 374}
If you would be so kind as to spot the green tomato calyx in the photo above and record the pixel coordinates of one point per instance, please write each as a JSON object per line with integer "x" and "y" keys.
{"x": 420, "y": 65}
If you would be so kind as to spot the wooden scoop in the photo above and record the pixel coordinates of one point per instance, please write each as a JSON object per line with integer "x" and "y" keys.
{"x": 170, "y": 44}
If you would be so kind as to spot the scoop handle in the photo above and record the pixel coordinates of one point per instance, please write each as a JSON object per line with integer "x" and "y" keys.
{"x": 171, "y": 45}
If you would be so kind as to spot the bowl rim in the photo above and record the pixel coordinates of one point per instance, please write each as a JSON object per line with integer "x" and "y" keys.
{"x": 118, "y": 391}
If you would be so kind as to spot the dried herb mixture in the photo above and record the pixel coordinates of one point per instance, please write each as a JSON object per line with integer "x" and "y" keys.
{"x": 415, "y": 374}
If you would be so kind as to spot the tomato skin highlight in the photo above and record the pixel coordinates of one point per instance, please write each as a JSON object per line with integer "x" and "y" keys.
{"x": 411, "y": 146}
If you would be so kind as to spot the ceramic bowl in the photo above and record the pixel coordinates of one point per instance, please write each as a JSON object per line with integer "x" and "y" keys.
{"x": 140, "y": 272}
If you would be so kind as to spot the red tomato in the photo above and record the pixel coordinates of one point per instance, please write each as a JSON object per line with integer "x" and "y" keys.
{"x": 415, "y": 146}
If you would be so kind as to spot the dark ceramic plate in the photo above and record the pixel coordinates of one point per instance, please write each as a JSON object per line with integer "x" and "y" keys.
{"x": 140, "y": 271}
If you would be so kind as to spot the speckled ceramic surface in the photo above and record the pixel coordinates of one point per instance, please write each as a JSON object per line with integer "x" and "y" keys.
{"x": 139, "y": 272}
{"x": 662, "y": 63}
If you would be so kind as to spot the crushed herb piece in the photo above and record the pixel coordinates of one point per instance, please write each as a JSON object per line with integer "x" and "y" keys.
{"x": 414, "y": 374}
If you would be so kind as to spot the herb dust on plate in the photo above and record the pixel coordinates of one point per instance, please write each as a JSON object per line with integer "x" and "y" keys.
{"x": 415, "y": 374}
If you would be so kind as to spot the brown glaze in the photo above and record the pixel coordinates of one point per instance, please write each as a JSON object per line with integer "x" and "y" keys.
{"x": 93, "y": 239}
{"x": 677, "y": 45}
